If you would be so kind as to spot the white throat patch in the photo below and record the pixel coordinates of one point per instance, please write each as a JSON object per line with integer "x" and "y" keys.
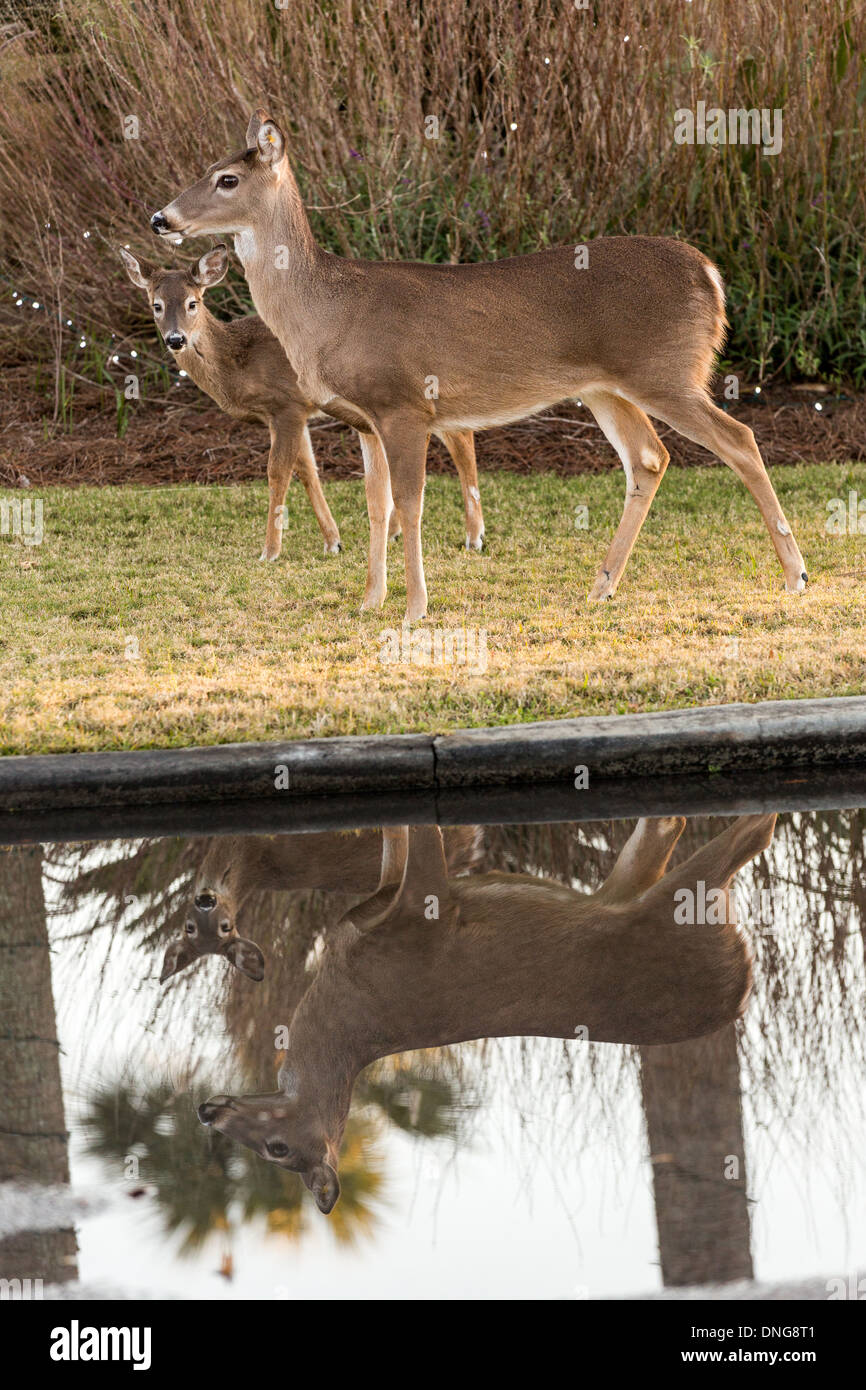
{"x": 245, "y": 246}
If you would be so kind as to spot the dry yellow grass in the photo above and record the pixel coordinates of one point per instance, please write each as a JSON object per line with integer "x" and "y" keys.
{"x": 144, "y": 619}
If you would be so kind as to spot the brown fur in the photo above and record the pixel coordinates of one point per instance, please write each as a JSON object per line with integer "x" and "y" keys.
{"x": 242, "y": 367}
{"x": 236, "y": 866}
{"x": 430, "y": 960}
{"x": 641, "y": 324}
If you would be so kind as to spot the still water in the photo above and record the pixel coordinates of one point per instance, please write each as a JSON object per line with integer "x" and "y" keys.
{"x": 500, "y": 1061}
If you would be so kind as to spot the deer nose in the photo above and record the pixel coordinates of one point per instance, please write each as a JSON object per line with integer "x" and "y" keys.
{"x": 159, "y": 223}
{"x": 206, "y": 901}
{"x": 176, "y": 341}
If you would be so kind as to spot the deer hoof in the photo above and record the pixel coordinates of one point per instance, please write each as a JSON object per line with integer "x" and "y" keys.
{"x": 602, "y": 589}
{"x": 333, "y": 547}
{"x": 477, "y": 544}
{"x": 268, "y": 554}
{"x": 799, "y": 584}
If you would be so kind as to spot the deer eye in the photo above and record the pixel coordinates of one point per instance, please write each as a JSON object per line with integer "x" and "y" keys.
{"x": 227, "y": 181}
{"x": 225, "y": 928}
{"x": 277, "y": 1149}
{"x": 190, "y": 928}
{"x": 157, "y": 306}
{"x": 191, "y": 307}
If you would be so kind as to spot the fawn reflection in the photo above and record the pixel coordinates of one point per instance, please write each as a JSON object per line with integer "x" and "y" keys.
{"x": 238, "y": 865}
{"x": 430, "y": 959}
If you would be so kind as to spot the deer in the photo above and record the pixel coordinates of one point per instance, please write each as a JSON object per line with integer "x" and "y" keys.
{"x": 631, "y": 325}
{"x": 430, "y": 960}
{"x": 234, "y": 866}
{"x": 240, "y": 365}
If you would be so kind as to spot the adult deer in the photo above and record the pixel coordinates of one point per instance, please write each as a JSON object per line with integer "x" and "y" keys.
{"x": 235, "y": 866}
{"x": 414, "y": 347}
{"x": 242, "y": 367}
{"x": 430, "y": 960}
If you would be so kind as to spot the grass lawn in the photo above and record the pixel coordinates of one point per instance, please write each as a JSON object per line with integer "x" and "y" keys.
{"x": 144, "y": 618}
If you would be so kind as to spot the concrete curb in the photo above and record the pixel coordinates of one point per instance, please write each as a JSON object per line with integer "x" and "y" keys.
{"x": 232, "y": 771}
{"x": 778, "y": 734}
{"x": 785, "y": 735}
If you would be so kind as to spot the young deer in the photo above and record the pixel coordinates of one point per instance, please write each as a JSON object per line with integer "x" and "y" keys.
{"x": 630, "y": 324}
{"x": 242, "y": 367}
{"x": 431, "y": 960}
{"x": 237, "y": 865}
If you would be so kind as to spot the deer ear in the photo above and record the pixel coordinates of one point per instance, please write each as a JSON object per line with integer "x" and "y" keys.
{"x": 212, "y": 267}
{"x": 324, "y": 1185}
{"x": 270, "y": 142}
{"x": 246, "y": 957}
{"x": 256, "y": 120}
{"x": 178, "y": 956}
{"x": 139, "y": 272}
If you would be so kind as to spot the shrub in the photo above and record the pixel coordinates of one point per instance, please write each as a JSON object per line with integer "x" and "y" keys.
{"x": 555, "y": 124}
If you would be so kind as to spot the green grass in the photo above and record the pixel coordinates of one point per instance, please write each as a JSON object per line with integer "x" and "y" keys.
{"x": 231, "y": 649}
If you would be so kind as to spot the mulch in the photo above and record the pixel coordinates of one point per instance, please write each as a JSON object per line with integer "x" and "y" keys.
{"x": 183, "y": 438}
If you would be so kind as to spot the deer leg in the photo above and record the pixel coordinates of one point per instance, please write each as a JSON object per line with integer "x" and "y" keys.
{"x": 286, "y": 437}
{"x": 379, "y": 906}
{"x": 424, "y": 891}
{"x": 696, "y": 417}
{"x": 380, "y": 508}
{"x": 461, "y": 447}
{"x": 642, "y": 860}
{"x": 414, "y": 881}
{"x": 716, "y": 862}
{"x": 710, "y": 868}
{"x": 404, "y": 439}
{"x": 644, "y": 459}
{"x": 309, "y": 475}
{"x": 395, "y": 850}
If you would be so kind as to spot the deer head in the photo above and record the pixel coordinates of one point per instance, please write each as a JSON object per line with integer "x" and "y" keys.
{"x": 281, "y": 1129}
{"x": 232, "y": 194}
{"x": 175, "y": 296}
{"x": 210, "y": 930}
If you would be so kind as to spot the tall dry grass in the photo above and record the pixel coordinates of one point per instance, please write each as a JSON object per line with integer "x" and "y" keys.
{"x": 555, "y": 125}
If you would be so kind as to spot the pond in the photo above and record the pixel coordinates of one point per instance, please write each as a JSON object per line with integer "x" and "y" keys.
{"x": 470, "y": 1078}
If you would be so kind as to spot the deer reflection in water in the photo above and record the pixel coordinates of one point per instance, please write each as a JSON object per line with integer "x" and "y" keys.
{"x": 430, "y": 959}
{"x": 237, "y": 866}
